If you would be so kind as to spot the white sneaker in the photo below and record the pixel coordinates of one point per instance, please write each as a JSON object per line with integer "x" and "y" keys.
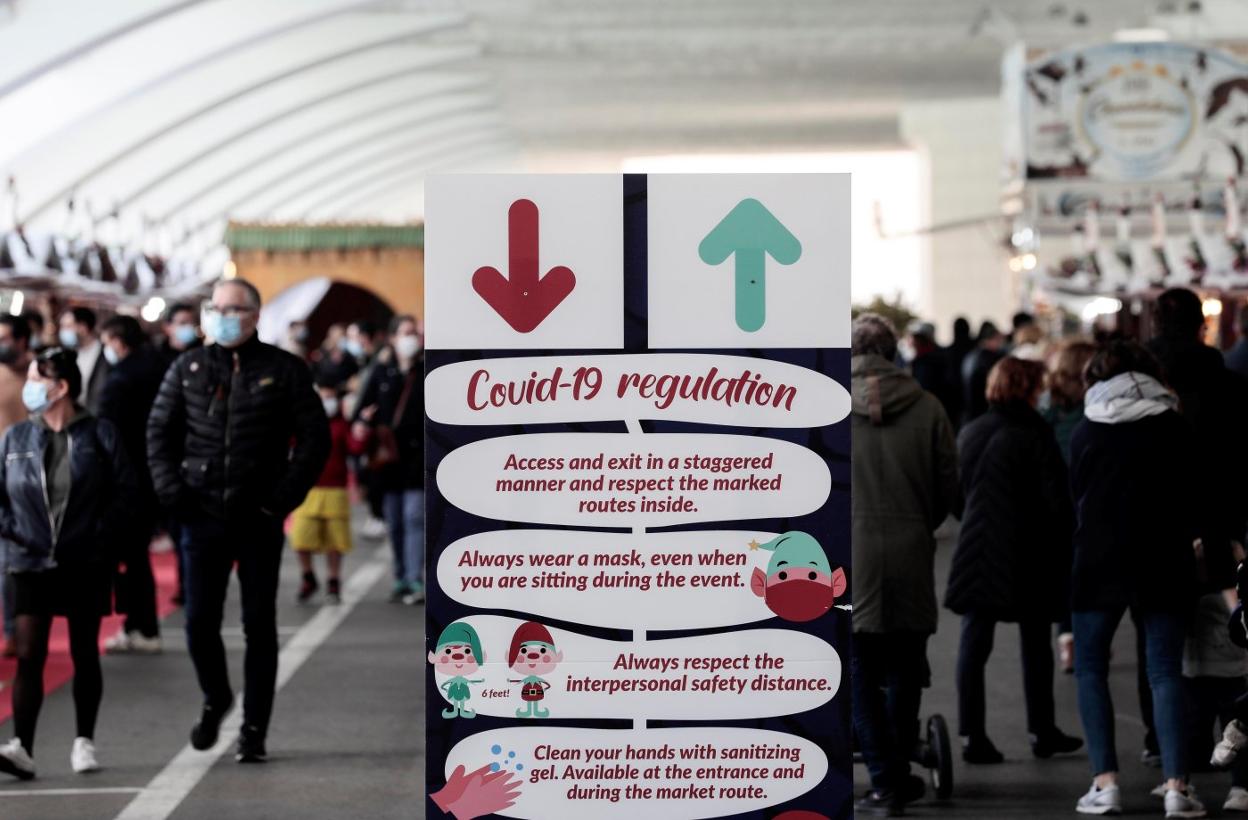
{"x": 373, "y": 528}
{"x": 1236, "y": 799}
{"x": 1233, "y": 739}
{"x": 143, "y": 645}
{"x": 82, "y": 758}
{"x": 1100, "y": 801}
{"x": 1183, "y": 804}
{"x": 161, "y": 543}
{"x": 15, "y": 761}
{"x": 1159, "y": 791}
{"x": 117, "y": 644}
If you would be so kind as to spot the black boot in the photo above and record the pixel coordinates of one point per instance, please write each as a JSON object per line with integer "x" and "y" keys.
{"x": 308, "y": 588}
{"x": 250, "y": 745}
{"x": 880, "y": 803}
{"x": 204, "y": 733}
{"x": 1054, "y": 742}
{"x": 981, "y": 751}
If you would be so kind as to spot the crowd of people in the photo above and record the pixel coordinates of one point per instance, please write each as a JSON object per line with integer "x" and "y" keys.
{"x": 208, "y": 440}
{"x": 1092, "y": 477}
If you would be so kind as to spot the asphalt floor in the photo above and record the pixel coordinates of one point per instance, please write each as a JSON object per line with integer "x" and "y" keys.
{"x": 1024, "y": 786}
{"x": 346, "y": 739}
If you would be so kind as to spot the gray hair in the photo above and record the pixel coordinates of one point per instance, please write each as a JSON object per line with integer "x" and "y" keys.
{"x": 873, "y": 335}
{"x": 253, "y": 293}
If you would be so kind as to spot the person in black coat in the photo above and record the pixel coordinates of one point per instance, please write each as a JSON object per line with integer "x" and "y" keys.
{"x": 65, "y": 486}
{"x": 975, "y": 368}
{"x": 1214, "y": 400}
{"x": 393, "y": 404}
{"x": 126, "y": 398}
{"x": 236, "y": 438}
{"x": 1138, "y": 510}
{"x": 1013, "y": 555}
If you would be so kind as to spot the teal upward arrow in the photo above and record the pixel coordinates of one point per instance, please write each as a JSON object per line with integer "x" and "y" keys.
{"x": 750, "y": 231}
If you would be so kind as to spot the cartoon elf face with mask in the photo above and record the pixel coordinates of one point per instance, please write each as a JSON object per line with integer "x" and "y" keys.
{"x": 800, "y": 584}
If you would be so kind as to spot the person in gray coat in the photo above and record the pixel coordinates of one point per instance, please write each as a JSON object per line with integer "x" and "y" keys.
{"x": 905, "y": 480}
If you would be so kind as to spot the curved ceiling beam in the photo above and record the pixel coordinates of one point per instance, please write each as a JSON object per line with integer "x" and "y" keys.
{"x": 220, "y": 145}
{"x": 390, "y": 170}
{"x": 354, "y": 117}
{"x": 468, "y": 150}
{"x": 452, "y": 125}
{"x": 181, "y": 122}
{"x": 67, "y": 57}
{"x": 207, "y": 59}
{"x": 405, "y": 181}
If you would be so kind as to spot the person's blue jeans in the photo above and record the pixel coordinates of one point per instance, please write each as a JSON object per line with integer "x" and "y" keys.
{"x": 1164, "y": 634}
{"x": 405, "y": 520}
{"x": 888, "y": 672}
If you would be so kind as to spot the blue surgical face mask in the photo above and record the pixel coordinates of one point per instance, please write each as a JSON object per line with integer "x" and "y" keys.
{"x": 35, "y": 396}
{"x": 354, "y": 348}
{"x": 185, "y": 334}
{"x": 110, "y": 355}
{"x": 226, "y": 330}
{"x": 68, "y": 338}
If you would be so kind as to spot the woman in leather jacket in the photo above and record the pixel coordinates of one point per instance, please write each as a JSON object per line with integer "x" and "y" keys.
{"x": 64, "y": 483}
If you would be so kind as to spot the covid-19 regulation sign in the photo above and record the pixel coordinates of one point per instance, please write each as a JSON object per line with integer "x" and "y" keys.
{"x": 638, "y": 496}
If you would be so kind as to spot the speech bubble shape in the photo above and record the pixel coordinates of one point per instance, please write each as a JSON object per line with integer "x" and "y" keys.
{"x": 559, "y": 478}
{"x": 710, "y": 677}
{"x": 766, "y": 769}
{"x": 705, "y": 388}
{"x": 611, "y": 579}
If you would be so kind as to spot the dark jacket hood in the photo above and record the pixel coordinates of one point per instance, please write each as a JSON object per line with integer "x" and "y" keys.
{"x": 877, "y": 381}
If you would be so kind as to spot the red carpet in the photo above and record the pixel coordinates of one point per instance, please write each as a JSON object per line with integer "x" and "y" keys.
{"x": 60, "y": 670}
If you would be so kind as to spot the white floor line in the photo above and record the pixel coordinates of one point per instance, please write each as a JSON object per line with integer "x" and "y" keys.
{"x": 67, "y": 792}
{"x": 168, "y": 789}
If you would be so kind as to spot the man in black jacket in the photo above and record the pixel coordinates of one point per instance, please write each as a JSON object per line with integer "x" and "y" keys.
{"x": 127, "y": 396}
{"x": 236, "y": 438}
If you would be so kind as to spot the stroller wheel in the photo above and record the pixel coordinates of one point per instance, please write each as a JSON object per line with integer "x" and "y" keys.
{"x": 940, "y": 757}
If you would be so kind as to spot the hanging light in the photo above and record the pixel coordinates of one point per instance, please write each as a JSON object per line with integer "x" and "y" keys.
{"x": 19, "y": 301}
{"x": 1211, "y": 307}
{"x": 153, "y": 310}
{"x": 230, "y": 270}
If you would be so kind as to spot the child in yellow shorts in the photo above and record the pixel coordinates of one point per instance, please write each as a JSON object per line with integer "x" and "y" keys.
{"x": 323, "y": 522}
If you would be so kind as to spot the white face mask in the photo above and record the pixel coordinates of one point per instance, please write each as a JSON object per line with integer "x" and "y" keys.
{"x": 407, "y": 346}
{"x": 331, "y": 407}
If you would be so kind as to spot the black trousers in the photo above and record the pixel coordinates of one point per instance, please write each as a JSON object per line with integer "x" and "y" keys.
{"x": 889, "y": 671}
{"x": 136, "y": 586}
{"x": 211, "y": 549}
{"x": 973, "y": 653}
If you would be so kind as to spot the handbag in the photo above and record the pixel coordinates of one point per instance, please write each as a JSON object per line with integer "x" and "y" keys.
{"x": 385, "y": 443}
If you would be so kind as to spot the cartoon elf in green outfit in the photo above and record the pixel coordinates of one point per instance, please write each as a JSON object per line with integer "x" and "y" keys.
{"x": 533, "y": 654}
{"x": 458, "y": 654}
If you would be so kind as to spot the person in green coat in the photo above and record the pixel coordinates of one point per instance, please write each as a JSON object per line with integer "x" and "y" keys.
{"x": 458, "y": 654}
{"x": 905, "y": 481}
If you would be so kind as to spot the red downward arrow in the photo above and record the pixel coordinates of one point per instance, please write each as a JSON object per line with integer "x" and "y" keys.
{"x": 523, "y": 298}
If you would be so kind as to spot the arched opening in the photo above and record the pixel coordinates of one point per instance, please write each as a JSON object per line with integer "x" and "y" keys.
{"x": 320, "y": 302}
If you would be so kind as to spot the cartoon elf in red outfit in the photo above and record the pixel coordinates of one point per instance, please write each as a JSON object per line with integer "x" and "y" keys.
{"x": 533, "y": 654}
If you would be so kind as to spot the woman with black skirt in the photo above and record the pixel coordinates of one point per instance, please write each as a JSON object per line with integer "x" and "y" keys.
{"x": 64, "y": 484}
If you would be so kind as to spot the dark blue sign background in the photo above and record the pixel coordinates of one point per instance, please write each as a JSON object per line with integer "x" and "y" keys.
{"x": 827, "y": 726}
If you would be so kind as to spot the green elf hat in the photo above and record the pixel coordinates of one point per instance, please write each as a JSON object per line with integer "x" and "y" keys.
{"x": 461, "y": 633}
{"x": 796, "y": 548}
